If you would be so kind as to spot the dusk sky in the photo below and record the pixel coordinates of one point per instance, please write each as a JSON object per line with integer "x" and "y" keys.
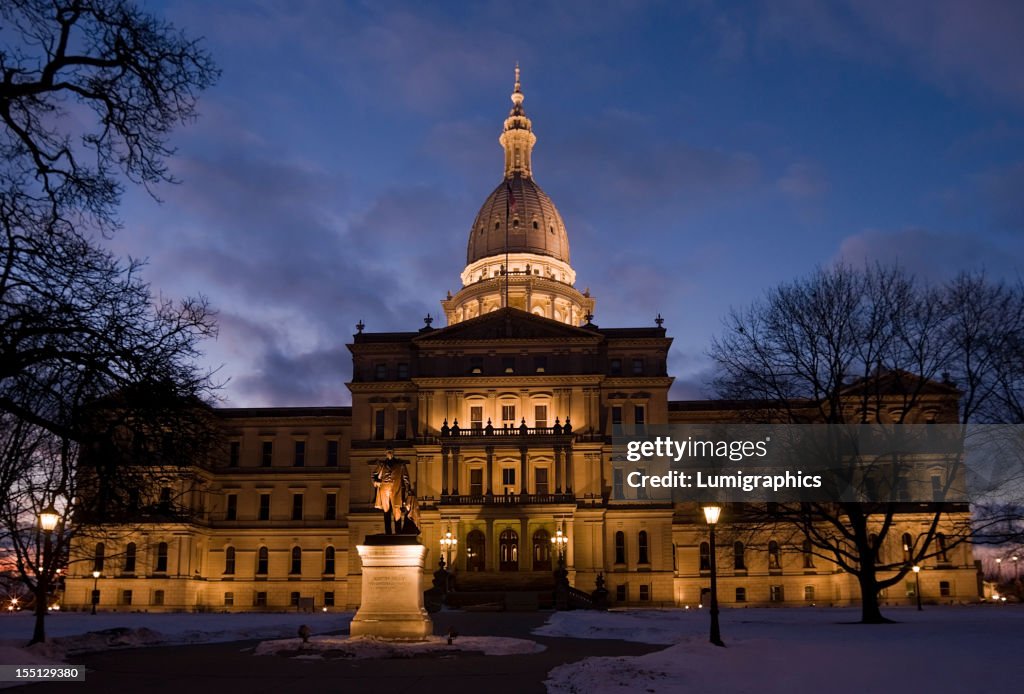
{"x": 700, "y": 154}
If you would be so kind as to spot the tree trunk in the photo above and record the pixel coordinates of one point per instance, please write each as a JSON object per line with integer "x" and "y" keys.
{"x": 870, "y": 612}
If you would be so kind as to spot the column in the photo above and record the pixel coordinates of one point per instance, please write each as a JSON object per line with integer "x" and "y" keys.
{"x": 490, "y": 470}
{"x": 568, "y": 469}
{"x": 558, "y": 470}
{"x": 455, "y": 470}
{"x": 444, "y": 469}
{"x": 522, "y": 470}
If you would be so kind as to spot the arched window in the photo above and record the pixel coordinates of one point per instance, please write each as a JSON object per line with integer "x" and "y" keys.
{"x": 738, "y": 560}
{"x": 508, "y": 550}
{"x": 808, "y": 551}
{"x": 97, "y": 560}
{"x": 161, "y": 558}
{"x": 620, "y": 547}
{"x": 774, "y": 556}
{"x": 908, "y": 545}
{"x": 296, "y": 567}
{"x": 642, "y": 546}
{"x": 475, "y": 551}
{"x": 329, "y": 560}
{"x": 542, "y": 550}
{"x": 229, "y": 560}
{"x": 705, "y": 556}
{"x": 130, "y": 553}
{"x": 262, "y": 560}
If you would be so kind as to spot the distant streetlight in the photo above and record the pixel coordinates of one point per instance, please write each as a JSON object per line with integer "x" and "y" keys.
{"x": 95, "y": 589}
{"x": 711, "y": 515}
{"x": 1016, "y": 568}
{"x": 999, "y": 569}
{"x": 917, "y": 590}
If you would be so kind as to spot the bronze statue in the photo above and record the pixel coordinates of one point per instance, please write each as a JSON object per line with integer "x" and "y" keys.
{"x": 395, "y": 496}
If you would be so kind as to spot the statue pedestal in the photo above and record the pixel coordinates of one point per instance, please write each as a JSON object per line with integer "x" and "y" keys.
{"x": 392, "y": 600}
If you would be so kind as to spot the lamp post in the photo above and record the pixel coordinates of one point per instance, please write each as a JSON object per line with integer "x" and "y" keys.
{"x": 448, "y": 544}
{"x": 559, "y": 542}
{"x": 48, "y": 519}
{"x": 917, "y": 589}
{"x": 999, "y": 570}
{"x": 711, "y": 515}
{"x": 95, "y": 589}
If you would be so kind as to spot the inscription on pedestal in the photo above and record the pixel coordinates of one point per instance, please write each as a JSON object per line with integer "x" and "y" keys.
{"x": 392, "y": 600}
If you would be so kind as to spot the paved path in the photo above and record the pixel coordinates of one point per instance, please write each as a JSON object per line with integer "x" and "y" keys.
{"x": 226, "y": 668}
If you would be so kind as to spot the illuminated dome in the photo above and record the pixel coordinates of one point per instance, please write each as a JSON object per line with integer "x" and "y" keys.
{"x": 534, "y": 226}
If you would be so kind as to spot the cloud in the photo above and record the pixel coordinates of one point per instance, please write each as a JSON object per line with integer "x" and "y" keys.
{"x": 803, "y": 180}
{"x": 933, "y": 255}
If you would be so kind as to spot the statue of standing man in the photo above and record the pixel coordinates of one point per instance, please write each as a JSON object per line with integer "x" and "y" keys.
{"x": 395, "y": 495}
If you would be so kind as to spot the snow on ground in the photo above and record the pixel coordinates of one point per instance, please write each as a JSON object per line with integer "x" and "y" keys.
{"x": 365, "y": 647}
{"x": 769, "y": 651}
{"x": 72, "y": 633}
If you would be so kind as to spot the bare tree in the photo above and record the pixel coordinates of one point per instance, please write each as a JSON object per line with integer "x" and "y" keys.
{"x": 98, "y": 383}
{"x": 846, "y": 346}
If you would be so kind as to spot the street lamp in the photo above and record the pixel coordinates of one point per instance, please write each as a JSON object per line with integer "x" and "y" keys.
{"x": 95, "y": 589}
{"x": 48, "y": 519}
{"x": 559, "y": 542}
{"x": 711, "y": 515}
{"x": 917, "y": 590}
{"x": 448, "y": 544}
{"x": 1016, "y": 568}
{"x": 999, "y": 569}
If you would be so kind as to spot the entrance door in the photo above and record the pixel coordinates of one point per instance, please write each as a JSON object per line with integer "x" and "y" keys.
{"x": 475, "y": 547}
{"x": 508, "y": 550}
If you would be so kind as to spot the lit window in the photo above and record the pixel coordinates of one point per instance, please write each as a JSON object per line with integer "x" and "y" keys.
{"x": 540, "y": 416}
{"x": 508, "y": 415}
{"x": 476, "y": 417}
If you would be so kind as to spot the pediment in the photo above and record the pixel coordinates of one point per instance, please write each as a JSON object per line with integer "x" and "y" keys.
{"x": 506, "y": 324}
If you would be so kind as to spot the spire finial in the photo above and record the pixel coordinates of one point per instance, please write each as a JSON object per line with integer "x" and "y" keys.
{"x": 518, "y": 89}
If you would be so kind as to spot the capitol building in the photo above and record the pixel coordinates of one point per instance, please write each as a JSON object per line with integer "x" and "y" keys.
{"x": 505, "y": 417}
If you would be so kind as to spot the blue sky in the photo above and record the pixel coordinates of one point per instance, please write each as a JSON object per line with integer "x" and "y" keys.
{"x": 699, "y": 152}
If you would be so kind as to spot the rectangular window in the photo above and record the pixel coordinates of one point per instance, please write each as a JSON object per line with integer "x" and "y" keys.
{"x": 508, "y": 479}
{"x": 540, "y": 364}
{"x": 911, "y": 588}
{"x": 621, "y": 592}
{"x": 944, "y": 590}
{"x": 937, "y": 494}
{"x": 264, "y": 507}
{"x": 332, "y": 453}
{"x": 231, "y": 512}
{"x": 616, "y": 420}
{"x": 903, "y": 489}
{"x": 300, "y": 454}
{"x": 296, "y": 507}
{"x": 261, "y": 599}
{"x": 161, "y": 558}
{"x": 618, "y": 486}
{"x": 402, "y": 425}
{"x": 158, "y": 597}
{"x": 378, "y": 425}
{"x": 645, "y": 592}
{"x": 126, "y": 597}
{"x": 476, "y": 481}
{"x": 741, "y": 595}
{"x": 403, "y": 370}
{"x": 541, "y": 480}
{"x": 476, "y": 417}
{"x": 380, "y": 372}
{"x": 329, "y": 598}
{"x": 229, "y": 599}
{"x": 331, "y": 507}
{"x": 638, "y": 367}
{"x": 293, "y": 599}
{"x": 809, "y": 593}
{"x": 639, "y": 420}
{"x": 234, "y": 453}
{"x": 540, "y": 416}
{"x": 267, "y": 454}
{"x": 508, "y": 365}
{"x": 508, "y": 415}
{"x": 775, "y": 594}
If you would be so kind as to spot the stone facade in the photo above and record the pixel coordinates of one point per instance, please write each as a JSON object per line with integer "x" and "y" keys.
{"x": 505, "y": 418}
